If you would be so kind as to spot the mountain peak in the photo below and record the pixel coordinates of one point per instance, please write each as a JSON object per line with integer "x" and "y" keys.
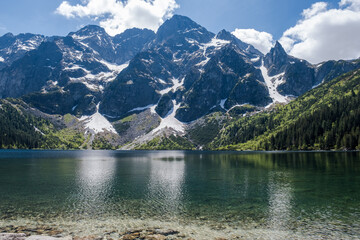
{"x": 181, "y": 18}
{"x": 185, "y": 27}
{"x": 8, "y": 35}
{"x": 134, "y": 32}
{"x": 137, "y": 30}
{"x": 90, "y": 30}
{"x": 279, "y": 48}
{"x": 228, "y": 36}
{"x": 177, "y": 23}
{"x": 276, "y": 60}
{"x": 225, "y": 35}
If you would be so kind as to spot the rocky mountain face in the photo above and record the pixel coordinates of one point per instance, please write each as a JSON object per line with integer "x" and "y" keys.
{"x": 298, "y": 76}
{"x": 59, "y": 66}
{"x": 13, "y": 47}
{"x": 228, "y": 79}
{"x": 30, "y": 73}
{"x": 173, "y": 77}
{"x": 198, "y": 69}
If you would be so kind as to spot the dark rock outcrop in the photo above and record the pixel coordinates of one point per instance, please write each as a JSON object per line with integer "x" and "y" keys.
{"x": 165, "y": 105}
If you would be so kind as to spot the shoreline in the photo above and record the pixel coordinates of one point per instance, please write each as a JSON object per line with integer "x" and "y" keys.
{"x": 170, "y": 150}
{"x": 24, "y": 233}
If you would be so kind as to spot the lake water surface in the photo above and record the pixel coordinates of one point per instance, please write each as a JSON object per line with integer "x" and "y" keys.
{"x": 204, "y": 195}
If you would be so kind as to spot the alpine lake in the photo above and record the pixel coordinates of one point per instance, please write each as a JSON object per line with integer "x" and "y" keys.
{"x": 189, "y": 195}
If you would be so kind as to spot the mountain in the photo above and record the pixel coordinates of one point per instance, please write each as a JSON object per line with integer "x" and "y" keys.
{"x": 298, "y": 76}
{"x": 118, "y": 49}
{"x": 60, "y": 64}
{"x": 327, "y": 117}
{"x": 131, "y": 42}
{"x": 227, "y": 80}
{"x": 31, "y": 73}
{"x": 177, "y": 87}
{"x": 13, "y": 47}
{"x": 181, "y": 60}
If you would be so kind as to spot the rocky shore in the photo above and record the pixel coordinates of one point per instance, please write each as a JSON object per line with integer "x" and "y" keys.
{"x": 24, "y": 233}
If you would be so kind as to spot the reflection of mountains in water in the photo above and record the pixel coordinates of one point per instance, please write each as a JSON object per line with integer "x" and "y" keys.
{"x": 111, "y": 181}
{"x": 166, "y": 183}
{"x": 317, "y": 161}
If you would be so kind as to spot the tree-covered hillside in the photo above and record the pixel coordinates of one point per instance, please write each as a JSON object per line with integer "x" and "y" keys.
{"x": 327, "y": 117}
{"x": 21, "y": 129}
{"x": 17, "y": 129}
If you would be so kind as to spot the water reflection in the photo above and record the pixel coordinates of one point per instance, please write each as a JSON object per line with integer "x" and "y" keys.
{"x": 167, "y": 172}
{"x": 95, "y": 176}
{"x": 312, "y": 193}
{"x": 280, "y": 198}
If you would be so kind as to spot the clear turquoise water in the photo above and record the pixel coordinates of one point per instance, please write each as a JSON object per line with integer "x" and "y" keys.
{"x": 253, "y": 195}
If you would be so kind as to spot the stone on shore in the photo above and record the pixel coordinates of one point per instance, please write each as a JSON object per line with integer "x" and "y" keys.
{"x": 22, "y": 236}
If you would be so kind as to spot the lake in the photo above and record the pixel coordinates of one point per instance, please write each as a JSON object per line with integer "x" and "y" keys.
{"x": 203, "y": 195}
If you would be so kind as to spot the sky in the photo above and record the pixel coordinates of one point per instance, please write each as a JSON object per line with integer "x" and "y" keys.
{"x": 308, "y": 29}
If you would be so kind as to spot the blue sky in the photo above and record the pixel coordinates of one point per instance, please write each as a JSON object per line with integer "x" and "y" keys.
{"x": 273, "y": 16}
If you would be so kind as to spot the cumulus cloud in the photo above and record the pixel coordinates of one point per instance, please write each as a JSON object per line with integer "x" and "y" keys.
{"x": 315, "y": 9}
{"x": 350, "y": 4}
{"x": 262, "y": 41}
{"x": 325, "y": 34}
{"x": 115, "y": 16}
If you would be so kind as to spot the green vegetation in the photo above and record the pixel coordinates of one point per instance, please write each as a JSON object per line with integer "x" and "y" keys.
{"x": 17, "y": 128}
{"x": 327, "y": 117}
{"x": 101, "y": 143}
{"x": 21, "y": 130}
{"x": 68, "y": 118}
{"x": 236, "y": 111}
{"x": 167, "y": 143}
{"x": 202, "y": 134}
{"x": 63, "y": 139}
{"x": 123, "y": 125}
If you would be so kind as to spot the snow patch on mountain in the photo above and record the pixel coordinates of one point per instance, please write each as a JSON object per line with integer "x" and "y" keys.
{"x": 272, "y": 83}
{"x": 222, "y": 103}
{"x": 96, "y": 81}
{"x": 78, "y": 37}
{"x": 76, "y": 67}
{"x": 237, "y": 105}
{"x": 170, "y": 121}
{"x": 114, "y": 67}
{"x": 142, "y": 108}
{"x": 215, "y": 43}
{"x": 255, "y": 59}
{"x": 28, "y": 45}
{"x": 176, "y": 84}
{"x": 97, "y": 122}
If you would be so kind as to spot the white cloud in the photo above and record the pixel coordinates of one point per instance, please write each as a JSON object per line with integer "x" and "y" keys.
{"x": 116, "y": 16}
{"x": 315, "y": 9}
{"x": 326, "y": 34}
{"x": 262, "y": 41}
{"x": 350, "y": 4}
